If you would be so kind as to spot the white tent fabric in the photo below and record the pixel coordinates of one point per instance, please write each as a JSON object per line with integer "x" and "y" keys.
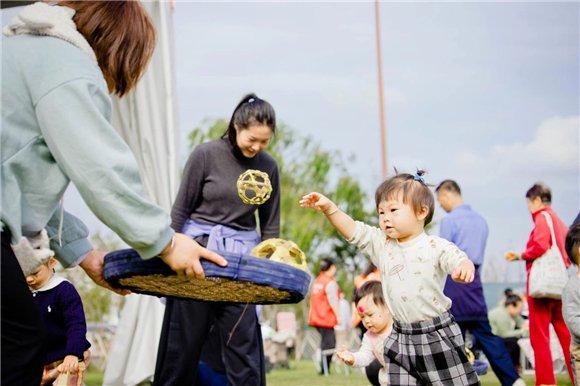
{"x": 131, "y": 359}
{"x": 146, "y": 120}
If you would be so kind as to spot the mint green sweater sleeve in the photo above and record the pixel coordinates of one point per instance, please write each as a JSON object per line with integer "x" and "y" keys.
{"x": 101, "y": 166}
{"x": 71, "y": 244}
{"x": 502, "y": 324}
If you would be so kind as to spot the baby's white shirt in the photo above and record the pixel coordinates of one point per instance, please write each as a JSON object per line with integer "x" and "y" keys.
{"x": 373, "y": 347}
{"x": 413, "y": 273}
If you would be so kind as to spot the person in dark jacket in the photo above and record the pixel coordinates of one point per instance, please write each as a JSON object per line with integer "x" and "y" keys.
{"x": 468, "y": 230}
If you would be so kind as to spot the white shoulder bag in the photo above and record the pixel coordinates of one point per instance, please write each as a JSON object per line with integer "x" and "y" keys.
{"x": 548, "y": 274}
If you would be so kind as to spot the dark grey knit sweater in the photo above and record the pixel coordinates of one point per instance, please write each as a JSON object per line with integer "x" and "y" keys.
{"x": 208, "y": 191}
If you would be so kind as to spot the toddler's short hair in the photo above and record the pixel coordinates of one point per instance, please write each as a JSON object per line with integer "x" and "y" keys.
{"x": 573, "y": 242}
{"x": 415, "y": 192}
{"x": 373, "y": 288}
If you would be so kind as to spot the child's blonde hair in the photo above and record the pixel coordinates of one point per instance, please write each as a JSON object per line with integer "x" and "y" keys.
{"x": 415, "y": 192}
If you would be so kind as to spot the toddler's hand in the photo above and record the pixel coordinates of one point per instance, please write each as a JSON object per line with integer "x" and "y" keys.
{"x": 69, "y": 365}
{"x": 87, "y": 357}
{"x": 511, "y": 256}
{"x": 464, "y": 272}
{"x": 346, "y": 356}
{"x": 317, "y": 201}
{"x": 48, "y": 377}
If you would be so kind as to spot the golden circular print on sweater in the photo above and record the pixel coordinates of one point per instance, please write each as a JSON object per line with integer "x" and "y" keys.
{"x": 254, "y": 187}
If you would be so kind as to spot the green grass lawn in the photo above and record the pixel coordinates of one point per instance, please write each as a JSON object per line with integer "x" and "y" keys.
{"x": 303, "y": 374}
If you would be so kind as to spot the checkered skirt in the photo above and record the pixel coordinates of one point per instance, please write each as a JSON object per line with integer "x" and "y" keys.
{"x": 429, "y": 352}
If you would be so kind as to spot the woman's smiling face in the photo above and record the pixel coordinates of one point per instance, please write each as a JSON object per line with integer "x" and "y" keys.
{"x": 253, "y": 139}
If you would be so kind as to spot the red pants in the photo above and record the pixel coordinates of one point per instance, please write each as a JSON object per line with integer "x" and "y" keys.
{"x": 542, "y": 313}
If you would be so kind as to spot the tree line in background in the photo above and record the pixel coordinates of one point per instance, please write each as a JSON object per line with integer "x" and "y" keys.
{"x": 304, "y": 167}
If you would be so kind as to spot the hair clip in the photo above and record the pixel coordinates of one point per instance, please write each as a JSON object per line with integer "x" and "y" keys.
{"x": 418, "y": 177}
{"x": 251, "y": 100}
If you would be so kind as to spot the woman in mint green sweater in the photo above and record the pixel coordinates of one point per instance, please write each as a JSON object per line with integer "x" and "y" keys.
{"x": 59, "y": 64}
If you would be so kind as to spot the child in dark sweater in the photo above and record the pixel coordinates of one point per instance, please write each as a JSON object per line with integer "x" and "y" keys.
{"x": 63, "y": 317}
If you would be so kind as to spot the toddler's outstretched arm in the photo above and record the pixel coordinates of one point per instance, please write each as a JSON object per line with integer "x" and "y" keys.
{"x": 362, "y": 358}
{"x": 345, "y": 356}
{"x": 343, "y": 223}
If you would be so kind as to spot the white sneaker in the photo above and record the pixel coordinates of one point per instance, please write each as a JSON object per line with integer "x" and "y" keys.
{"x": 519, "y": 382}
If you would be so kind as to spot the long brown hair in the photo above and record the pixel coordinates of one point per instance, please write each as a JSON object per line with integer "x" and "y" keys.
{"x": 122, "y": 36}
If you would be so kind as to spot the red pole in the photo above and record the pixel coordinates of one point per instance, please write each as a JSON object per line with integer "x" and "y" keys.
{"x": 381, "y": 92}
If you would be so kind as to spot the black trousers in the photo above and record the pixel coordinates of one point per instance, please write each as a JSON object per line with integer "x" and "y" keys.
{"x": 494, "y": 349}
{"x": 513, "y": 348}
{"x": 22, "y": 333}
{"x": 186, "y": 325}
{"x": 372, "y": 372}
{"x": 327, "y": 342}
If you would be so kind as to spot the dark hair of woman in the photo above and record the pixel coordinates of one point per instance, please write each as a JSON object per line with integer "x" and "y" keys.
{"x": 370, "y": 269}
{"x": 541, "y": 191}
{"x": 512, "y": 300}
{"x": 250, "y": 111}
{"x": 325, "y": 264}
{"x": 573, "y": 242}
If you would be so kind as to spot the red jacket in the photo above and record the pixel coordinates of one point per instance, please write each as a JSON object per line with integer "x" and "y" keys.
{"x": 540, "y": 240}
{"x": 321, "y": 313}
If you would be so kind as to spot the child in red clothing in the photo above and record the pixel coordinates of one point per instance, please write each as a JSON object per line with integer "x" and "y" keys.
{"x": 544, "y": 311}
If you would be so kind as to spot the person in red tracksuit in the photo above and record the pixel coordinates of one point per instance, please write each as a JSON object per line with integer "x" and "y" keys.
{"x": 324, "y": 311}
{"x": 544, "y": 311}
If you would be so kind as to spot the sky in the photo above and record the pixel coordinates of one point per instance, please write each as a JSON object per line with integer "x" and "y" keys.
{"x": 484, "y": 93}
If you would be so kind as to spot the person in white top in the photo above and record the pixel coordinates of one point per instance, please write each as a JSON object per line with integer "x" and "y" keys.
{"x": 426, "y": 345}
{"x": 372, "y": 308}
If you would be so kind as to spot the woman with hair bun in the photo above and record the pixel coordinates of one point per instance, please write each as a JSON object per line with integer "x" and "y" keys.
{"x": 213, "y": 208}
